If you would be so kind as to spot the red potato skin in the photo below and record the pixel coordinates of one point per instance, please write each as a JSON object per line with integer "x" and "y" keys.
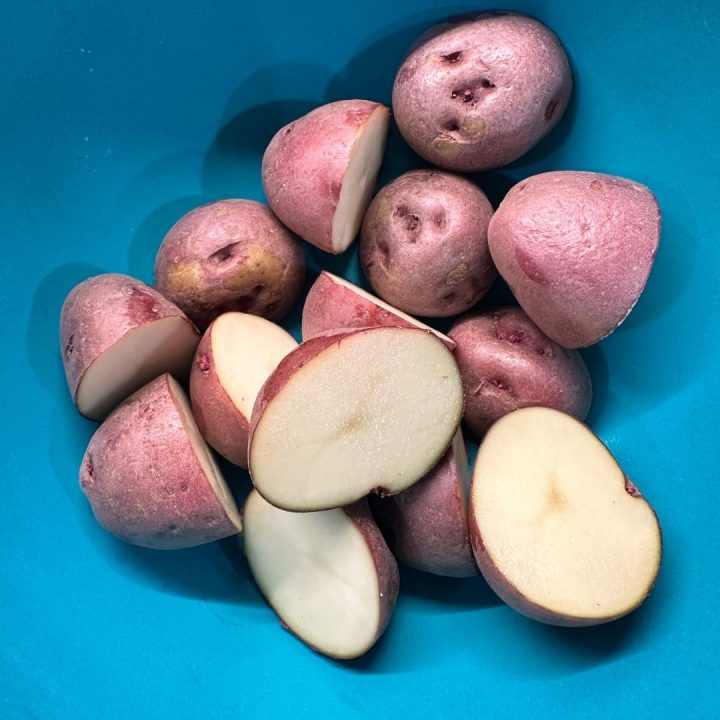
{"x": 478, "y": 92}
{"x": 143, "y": 480}
{"x": 330, "y": 307}
{"x": 99, "y": 312}
{"x": 230, "y": 255}
{"x": 304, "y": 165}
{"x": 429, "y": 522}
{"x": 506, "y": 362}
{"x": 217, "y": 417}
{"x": 576, "y": 249}
{"x": 423, "y": 243}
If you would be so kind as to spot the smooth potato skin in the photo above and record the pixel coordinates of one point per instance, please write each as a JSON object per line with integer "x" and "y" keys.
{"x": 230, "y": 255}
{"x": 143, "y": 480}
{"x": 99, "y": 312}
{"x": 423, "y": 243}
{"x": 220, "y": 422}
{"x": 506, "y": 362}
{"x": 304, "y": 165}
{"x": 479, "y": 92}
{"x": 576, "y": 249}
{"x": 330, "y": 307}
{"x": 428, "y": 524}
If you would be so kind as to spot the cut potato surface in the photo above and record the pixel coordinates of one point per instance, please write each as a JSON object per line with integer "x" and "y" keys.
{"x": 358, "y": 183}
{"x": 330, "y": 578}
{"x": 165, "y": 345}
{"x": 346, "y": 414}
{"x": 558, "y": 531}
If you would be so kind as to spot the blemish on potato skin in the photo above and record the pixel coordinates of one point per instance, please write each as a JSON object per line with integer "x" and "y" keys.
{"x": 631, "y": 488}
{"x": 70, "y": 347}
{"x": 203, "y": 362}
{"x": 596, "y": 185}
{"x": 458, "y": 275}
{"x": 452, "y": 58}
{"x": 550, "y": 109}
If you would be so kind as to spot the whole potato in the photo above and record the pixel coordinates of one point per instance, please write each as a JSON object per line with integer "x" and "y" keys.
{"x": 477, "y": 93}
{"x": 576, "y": 249}
{"x": 506, "y": 362}
{"x": 423, "y": 243}
{"x": 230, "y": 255}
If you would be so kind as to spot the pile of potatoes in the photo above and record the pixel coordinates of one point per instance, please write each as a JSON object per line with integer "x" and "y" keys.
{"x": 353, "y": 437}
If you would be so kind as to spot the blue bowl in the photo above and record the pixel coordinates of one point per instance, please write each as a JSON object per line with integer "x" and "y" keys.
{"x": 117, "y": 119}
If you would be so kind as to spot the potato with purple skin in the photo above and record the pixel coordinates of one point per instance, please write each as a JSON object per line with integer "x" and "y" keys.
{"x": 151, "y": 479}
{"x": 423, "y": 244}
{"x": 230, "y": 255}
{"x": 319, "y": 171}
{"x": 576, "y": 248}
{"x": 506, "y": 362}
{"x": 427, "y": 525}
{"x": 478, "y": 92}
{"x": 116, "y": 334}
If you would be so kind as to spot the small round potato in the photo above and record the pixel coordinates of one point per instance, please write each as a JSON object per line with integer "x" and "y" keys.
{"x": 423, "y": 244}
{"x": 230, "y": 255}
{"x": 478, "y": 93}
{"x": 506, "y": 362}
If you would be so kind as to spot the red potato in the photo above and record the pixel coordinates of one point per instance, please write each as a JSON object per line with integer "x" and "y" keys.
{"x": 576, "y": 249}
{"x": 479, "y": 92}
{"x": 506, "y": 362}
{"x": 423, "y": 244}
{"x": 346, "y": 414}
{"x": 151, "y": 479}
{"x": 235, "y": 357}
{"x": 230, "y": 255}
{"x": 117, "y": 334}
{"x": 334, "y": 304}
{"x": 328, "y": 575}
{"x": 427, "y": 525}
{"x": 319, "y": 171}
{"x": 584, "y": 546}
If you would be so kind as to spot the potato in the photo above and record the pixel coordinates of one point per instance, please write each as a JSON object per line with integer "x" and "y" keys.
{"x": 116, "y": 334}
{"x": 427, "y": 525}
{"x": 151, "y": 479}
{"x": 478, "y": 93}
{"x": 236, "y": 355}
{"x": 506, "y": 362}
{"x": 334, "y": 304}
{"x": 230, "y": 255}
{"x": 319, "y": 171}
{"x": 423, "y": 244}
{"x": 576, "y": 249}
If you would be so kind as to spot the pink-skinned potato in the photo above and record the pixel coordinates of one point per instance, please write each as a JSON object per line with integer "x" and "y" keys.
{"x": 150, "y": 478}
{"x": 117, "y": 334}
{"x": 506, "y": 362}
{"x": 334, "y": 304}
{"x": 576, "y": 248}
{"x": 478, "y": 92}
{"x": 427, "y": 525}
{"x": 423, "y": 244}
{"x": 319, "y": 171}
{"x": 230, "y": 255}
{"x": 236, "y": 355}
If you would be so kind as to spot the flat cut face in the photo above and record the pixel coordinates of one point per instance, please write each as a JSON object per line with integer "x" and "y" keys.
{"x": 317, "y": 572}
{"x": 556, "y": 519}
{"x": 246, "y": 349}
{"x": 376, "y": 409}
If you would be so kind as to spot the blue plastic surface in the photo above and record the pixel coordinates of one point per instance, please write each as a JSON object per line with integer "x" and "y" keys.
{"x": 119, "y": 117}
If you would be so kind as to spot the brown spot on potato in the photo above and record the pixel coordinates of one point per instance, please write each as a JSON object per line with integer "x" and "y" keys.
{"x": 439, "y": 219}
{"x": 545, "y": 351}
{"x": 448, "y": 297}
{"x": 631, "y": 488}
{"x": 259, "y": 266}
{"x": 384, "y": 253}
{"x": 485, "y": 83}
{"x": 498, "y": 383}
{"x": 400, "y": 211}
{"x": 458, "y": 275}
{"x": 452, "y": 57}
{"x": 183, "y": 487}
{"x": 184, "y": 277}
{"x": 556, "y": 500}
{"x": 203, "y": 362}
{"x": 413, "y": 223}
{"x": 550, "y": 109}
{"x": 447, "y": 146}
{"x": 451, "y": 126}
{"x": 596, "y": 185}
{"x": 224, "y": 253}
{"x": 70, "y": 347}
{"x": 473, "y": 126}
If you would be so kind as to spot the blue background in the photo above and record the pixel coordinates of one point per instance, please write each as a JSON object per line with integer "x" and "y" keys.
{"x": 119, "y": 117}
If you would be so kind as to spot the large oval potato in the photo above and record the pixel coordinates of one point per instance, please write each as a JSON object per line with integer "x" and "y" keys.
{"x": 230, "y": 255}
{"x": 423, "y": 244}
{"x": 576, "y": 249}
{"x": 506, "y": 362}
{"x": 478, "y": 93}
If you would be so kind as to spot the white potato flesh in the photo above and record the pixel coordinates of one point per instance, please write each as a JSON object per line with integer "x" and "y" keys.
{"x": 318, "y": 574}
{"x": 141, "y": 355}
{"x": 377, "y": 409}
{"x": 558, "y": 520}
{"x": 246, "y": 349}
{"x": 358, "y": 183}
